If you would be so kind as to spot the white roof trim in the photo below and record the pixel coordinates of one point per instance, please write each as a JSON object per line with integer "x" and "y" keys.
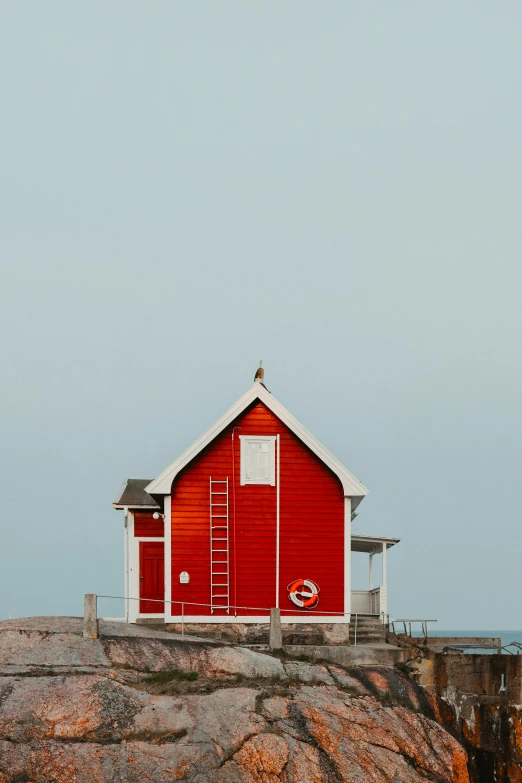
{"x": 163, "y": 483}
{"x": 135, "y": 507}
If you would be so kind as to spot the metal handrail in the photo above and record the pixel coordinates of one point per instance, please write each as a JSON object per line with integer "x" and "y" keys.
{"x": 192, "y": 603}
{"x": 409, "y": 622}
{"x": 254, "y": 608}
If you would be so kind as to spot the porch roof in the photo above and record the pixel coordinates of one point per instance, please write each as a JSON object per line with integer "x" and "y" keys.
{"x": 133, "y": 495}
{"x": 371, "y": 544}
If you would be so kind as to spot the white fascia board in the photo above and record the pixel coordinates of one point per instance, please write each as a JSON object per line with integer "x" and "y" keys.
{"x": 163, "y": 483}
{"x": 118, "y": 507}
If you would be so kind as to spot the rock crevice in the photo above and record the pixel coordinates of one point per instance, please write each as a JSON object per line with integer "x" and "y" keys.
{"x": 244, "y": 717}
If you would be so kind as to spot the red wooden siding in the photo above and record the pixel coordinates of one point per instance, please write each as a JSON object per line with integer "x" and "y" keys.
{"x": 145, "y": 526}
{"x": 311, "y": 524}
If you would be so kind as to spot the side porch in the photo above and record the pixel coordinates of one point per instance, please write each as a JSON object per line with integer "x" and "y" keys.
{"x": 374, "y": 600}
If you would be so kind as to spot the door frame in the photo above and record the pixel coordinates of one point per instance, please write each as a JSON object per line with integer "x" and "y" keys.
{"x": 134, "y": 570}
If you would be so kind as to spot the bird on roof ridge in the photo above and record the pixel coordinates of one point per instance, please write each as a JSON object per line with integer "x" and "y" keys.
{"x": 260, "y": 373}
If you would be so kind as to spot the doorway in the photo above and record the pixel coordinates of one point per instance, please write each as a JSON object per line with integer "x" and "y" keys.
{"x": 152, "y": 577}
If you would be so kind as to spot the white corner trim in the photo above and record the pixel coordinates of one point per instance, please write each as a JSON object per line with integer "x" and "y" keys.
{"x": 126, "y": 564}
{"x": 133, "y": 576}
{"x": 168, "y": 555}
{"x": 347, "y": 555}
{"x": 163, "y": 483}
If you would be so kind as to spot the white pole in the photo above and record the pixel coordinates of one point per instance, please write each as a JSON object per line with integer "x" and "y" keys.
{"x": 167, "y": 537}
{"x": 126, "y": 563}
{"x": 384, "y": 576}
{"x": 370, "y": 571}
{"x": 278, "y": 457}
{"x": 347, "y": 557}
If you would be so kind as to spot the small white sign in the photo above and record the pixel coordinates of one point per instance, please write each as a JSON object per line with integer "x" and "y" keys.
{"x": 184, "y": 578}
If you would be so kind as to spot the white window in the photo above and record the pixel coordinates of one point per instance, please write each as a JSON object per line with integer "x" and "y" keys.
{"x": 257, "y": 459}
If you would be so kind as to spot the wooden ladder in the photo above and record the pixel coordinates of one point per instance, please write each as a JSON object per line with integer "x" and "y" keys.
{"x": 219, "y": 547}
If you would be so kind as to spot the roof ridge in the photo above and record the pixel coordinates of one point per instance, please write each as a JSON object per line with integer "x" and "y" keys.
{"x": 162, "y": 484}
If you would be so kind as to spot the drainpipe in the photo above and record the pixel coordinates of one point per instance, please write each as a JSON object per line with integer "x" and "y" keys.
{"x": 278, "y": 459}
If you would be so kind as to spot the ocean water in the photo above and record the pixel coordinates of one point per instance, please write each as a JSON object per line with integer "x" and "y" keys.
{"x": 506, "y": 637}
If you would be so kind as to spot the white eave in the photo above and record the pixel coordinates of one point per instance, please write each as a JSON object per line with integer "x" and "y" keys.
{"x": 351, "y": 486}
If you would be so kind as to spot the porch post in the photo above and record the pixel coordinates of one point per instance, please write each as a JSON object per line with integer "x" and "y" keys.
{"x": 383, "y": 592}
{"x": 370, "y": 571}
{"x": 126, "y": 563}
{"x": 133, "y": 583}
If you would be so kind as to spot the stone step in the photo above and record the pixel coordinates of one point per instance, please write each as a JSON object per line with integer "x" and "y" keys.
{"x": 367, "y": 626}
{"x": 368, "y": 639}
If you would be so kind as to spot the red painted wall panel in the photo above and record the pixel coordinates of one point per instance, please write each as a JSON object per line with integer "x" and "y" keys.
{"x": 311, "y": 524}
{"x": 145, "y": 526}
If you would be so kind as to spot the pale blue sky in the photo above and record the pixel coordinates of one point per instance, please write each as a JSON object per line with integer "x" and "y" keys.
{"x": 334, "y": 187}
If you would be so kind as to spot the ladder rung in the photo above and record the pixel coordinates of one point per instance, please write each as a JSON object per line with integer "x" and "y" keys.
{"x": 216, "y": 539}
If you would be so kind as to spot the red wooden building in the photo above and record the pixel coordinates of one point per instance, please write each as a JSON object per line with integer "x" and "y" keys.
{"x": 255, "y": 514}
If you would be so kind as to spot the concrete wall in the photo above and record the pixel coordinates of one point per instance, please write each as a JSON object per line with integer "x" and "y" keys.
{"x": 361, "y": 655}
{"x": 437, "y": 643}
{"x": 257, "y": 633}
{"x": 477, "y": 675}
{"x": 488, "y": 722}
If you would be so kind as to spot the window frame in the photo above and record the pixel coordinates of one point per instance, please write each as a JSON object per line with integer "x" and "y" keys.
{"x": 270, "y": 439}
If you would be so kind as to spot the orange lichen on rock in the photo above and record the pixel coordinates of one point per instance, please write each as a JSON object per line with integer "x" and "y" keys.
{"x": 264, "y": 756}
{"x": 277, "y": 722}
{"x": 460, "y": 765}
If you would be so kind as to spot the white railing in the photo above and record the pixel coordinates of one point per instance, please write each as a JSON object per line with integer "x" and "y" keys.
{"x": 370, "y": 601}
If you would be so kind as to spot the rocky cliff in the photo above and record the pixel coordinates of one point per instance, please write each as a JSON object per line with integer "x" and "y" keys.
{"x": 137, "y": 705}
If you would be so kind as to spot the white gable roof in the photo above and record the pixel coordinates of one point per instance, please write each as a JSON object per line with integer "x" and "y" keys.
{"x": 351, "y": 486}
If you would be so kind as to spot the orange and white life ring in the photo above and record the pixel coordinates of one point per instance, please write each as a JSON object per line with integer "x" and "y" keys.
{"x": 307, "y": 590}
